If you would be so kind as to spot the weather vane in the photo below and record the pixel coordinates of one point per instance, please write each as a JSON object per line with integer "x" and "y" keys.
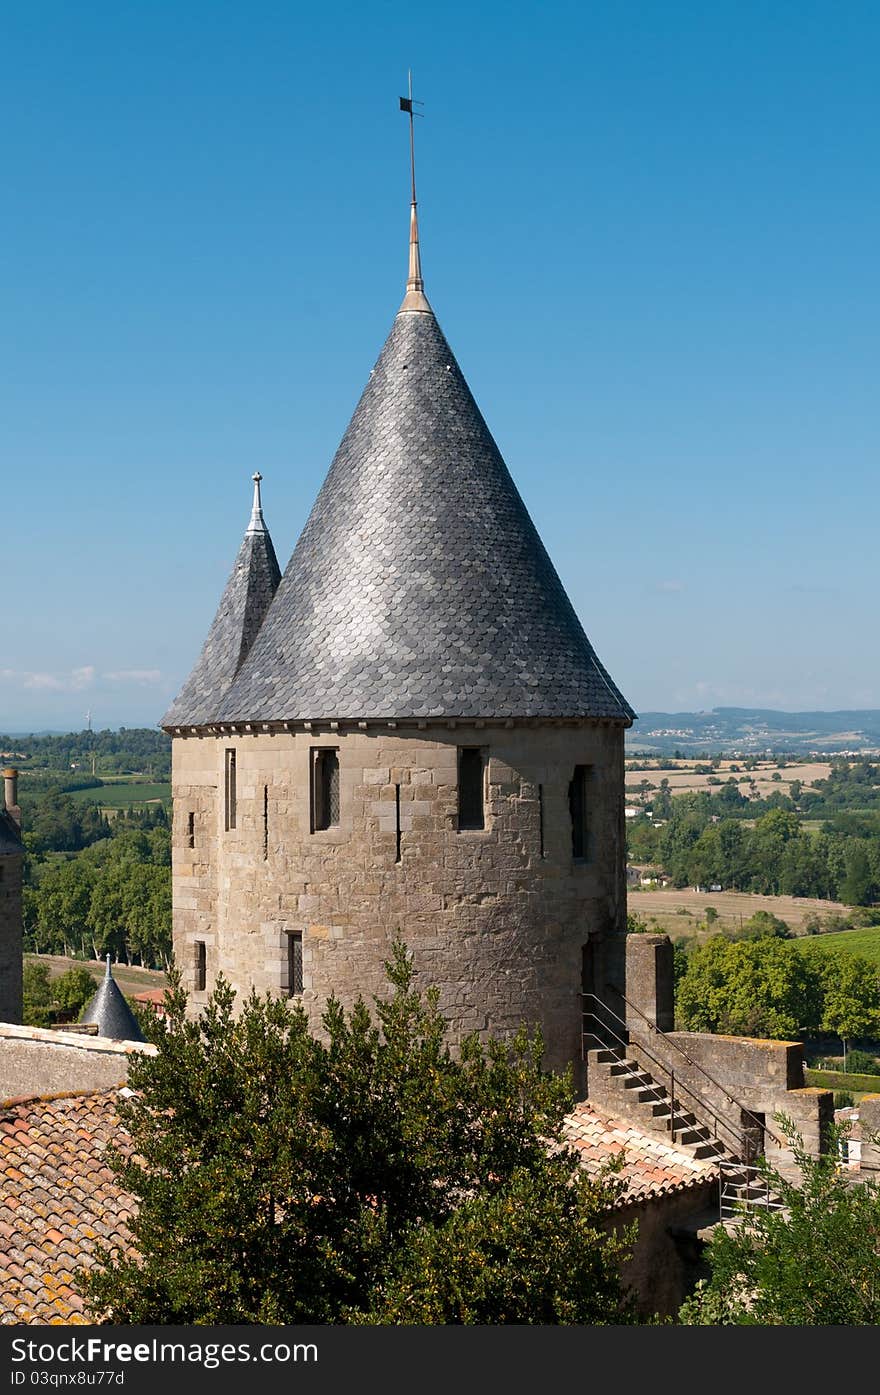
{"x": 408, "y": 104}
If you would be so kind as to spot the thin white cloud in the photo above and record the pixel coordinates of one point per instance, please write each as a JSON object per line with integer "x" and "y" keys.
{"x": 134, "y": 675}
{"x": 35, "y": 681}
{"x": 670, "y": 586}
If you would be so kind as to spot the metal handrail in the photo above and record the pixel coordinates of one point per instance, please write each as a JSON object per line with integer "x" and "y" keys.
{"x": 652, "y": 1026}
{"x": 705, "y": 1108}
{"x": 731, "y": 1204}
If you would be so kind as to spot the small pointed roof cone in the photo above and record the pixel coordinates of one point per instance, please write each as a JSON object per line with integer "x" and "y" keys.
{"x": 111, "y": 1012}
{"x": 249, "y": 592}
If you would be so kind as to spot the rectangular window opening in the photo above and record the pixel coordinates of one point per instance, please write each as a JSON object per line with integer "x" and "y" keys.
{"x": 230, "y": 789}
{"x": 265, "y": 822}
{"x": 577, "y": 802}
{"x": 294, "y": 964}
{"x": 325, "y": 787}
{"x": 191, "y": 831}
{"x": 397, "y": 811}
{"x": 201, "y": 966}
{"x": 471, "y": 782}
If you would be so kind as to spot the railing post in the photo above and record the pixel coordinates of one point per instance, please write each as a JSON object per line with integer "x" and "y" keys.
{"x": 672, "y": 1104}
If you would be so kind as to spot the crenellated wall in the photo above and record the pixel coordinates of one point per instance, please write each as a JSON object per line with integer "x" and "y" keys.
{"x": 497, "y": 918}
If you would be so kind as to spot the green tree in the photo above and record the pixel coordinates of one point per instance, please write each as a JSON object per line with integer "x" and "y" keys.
{"x": 857, "y": 887}
{"x": 850, "y": 995}
{"x": 816, "y": 1263}
{"x": 72, "y": 990}
{"x": 526, "y": 1253}
{"x": 36, "y": 994}
{"x": 282, "y": 1178}
{"x": 763, "y": 987}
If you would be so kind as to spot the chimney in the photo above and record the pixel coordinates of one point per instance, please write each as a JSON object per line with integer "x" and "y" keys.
{"x": 10, "y": 794}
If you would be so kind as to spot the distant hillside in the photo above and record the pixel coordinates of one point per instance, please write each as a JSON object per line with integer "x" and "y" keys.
{"x": 755, "y": 729}
{"x": 141, "y": 750}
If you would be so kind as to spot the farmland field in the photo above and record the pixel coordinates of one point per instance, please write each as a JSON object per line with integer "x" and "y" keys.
{"x": 733, "y": 907}
{"x": 682, "y": 776}
{"x": 865, "y": 942}
{"x": 121, "y": 794}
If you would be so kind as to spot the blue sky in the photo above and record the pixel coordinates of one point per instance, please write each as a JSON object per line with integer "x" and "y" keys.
{"x": 650, "y": 233}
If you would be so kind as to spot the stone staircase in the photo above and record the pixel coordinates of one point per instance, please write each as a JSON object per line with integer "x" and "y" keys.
{"x": 619, "y": 1083}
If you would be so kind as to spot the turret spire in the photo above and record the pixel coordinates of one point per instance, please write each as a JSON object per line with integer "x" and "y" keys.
{"x": 257, "y": 523}
{"x": 415, "y": 298}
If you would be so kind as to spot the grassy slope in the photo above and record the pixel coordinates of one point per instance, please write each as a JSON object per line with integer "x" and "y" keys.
{"x": 864, "y": 942}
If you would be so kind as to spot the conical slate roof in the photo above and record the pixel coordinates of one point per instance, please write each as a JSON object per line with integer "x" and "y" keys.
{"x": 419, "y": 587}
{"x": 109, "y": 1009}
{"x": 249, "y": 591}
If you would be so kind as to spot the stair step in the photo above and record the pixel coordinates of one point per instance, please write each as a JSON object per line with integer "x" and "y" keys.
{"x": 639, "y": 1079}
{"x": 710, "y": 1149}
{"x": 688, "y": 1136}
{"x": 647, "y": 1094}
{"x": 624, "y": 1067}
{"x": 605, "y": 1054}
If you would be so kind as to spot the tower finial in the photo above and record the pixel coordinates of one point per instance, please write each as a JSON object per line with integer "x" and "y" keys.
{"x": 415, "y": 287}
{"x": 257, "y": 523}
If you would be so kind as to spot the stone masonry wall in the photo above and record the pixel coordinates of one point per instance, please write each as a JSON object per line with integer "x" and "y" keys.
{"x": 10, "y": 939}
{"x": 764, "y": 1077}
{"x": 37, "y": 1061}
{"x": 496, "y": 925}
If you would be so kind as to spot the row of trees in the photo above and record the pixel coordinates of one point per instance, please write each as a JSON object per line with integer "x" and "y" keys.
{"x": 777, "y": 988}
{"x": 775, "y": 856}
{"x": 114, "y": 898}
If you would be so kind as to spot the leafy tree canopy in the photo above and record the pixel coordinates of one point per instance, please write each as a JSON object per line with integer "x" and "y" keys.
{"x": 817, "y": 1263}
{"x": 368, "y": 1176}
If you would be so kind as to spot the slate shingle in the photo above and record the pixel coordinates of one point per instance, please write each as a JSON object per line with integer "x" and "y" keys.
{"x": 252, "y": 584}
{"x": 419, "y": 587}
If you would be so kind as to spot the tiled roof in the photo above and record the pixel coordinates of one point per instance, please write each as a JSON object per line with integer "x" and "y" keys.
{"x": 58, "y": 1199}
{"x": 252, "y": 584}
{"x": 419, "y": 587}
{"x": 651, "y": 1166}
{"x": 109, "y": 1011}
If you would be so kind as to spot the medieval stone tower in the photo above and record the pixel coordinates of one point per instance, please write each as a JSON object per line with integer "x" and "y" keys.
{"x": 11, "y": 857}
{"x": 409, "y": 732}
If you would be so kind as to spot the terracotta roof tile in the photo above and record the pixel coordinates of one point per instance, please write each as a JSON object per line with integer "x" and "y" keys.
{"x": 43, "y": 1245}
{"x": 651, "y": 1166}
{"x": 52, "y": 1211}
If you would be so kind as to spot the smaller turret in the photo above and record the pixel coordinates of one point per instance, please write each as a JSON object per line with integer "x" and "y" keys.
{"x": 248, "y": 595}
{"x": 111, "y": 1012}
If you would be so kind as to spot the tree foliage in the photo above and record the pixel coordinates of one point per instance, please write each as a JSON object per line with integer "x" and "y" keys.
{"x": 816, "y": 1263}
{"x": 367, "y": 1176}
{"x": 778, "y": 988}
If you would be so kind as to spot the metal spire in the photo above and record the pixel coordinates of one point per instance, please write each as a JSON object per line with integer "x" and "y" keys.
{"x": 257, "y": 523}
{"x": 415, "y": 287}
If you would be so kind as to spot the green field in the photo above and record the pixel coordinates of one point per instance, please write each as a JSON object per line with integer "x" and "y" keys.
{"x": 841, "y": 1080}
{"x": 120, "y": 794}
{"x": 865, "y": 942}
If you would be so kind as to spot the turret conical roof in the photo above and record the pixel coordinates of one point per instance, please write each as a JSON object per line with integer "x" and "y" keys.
{"x": 419, "y": 587}
{"x": 243, "y": 605}
{"x": 111, "y": 1012}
